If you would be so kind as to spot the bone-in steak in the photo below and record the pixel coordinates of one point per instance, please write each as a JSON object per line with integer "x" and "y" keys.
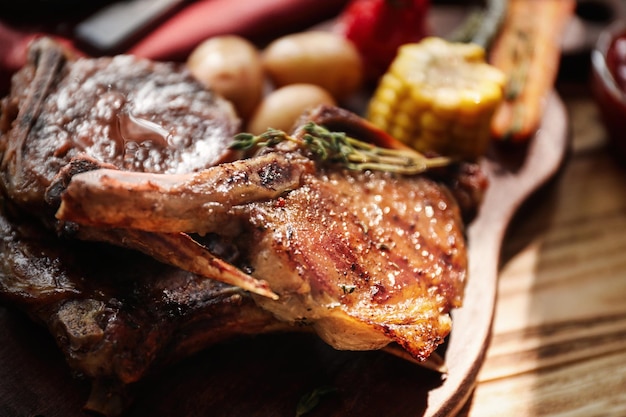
{"x": 117, "y": 315}
{"x": 364, "y": 258}
{"x": 136, "y": 114}
{"x": 120, "y": 112}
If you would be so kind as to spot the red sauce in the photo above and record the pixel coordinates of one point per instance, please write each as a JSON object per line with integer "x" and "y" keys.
{"x": 616, "y": 59}
{"x": 609, "y": 87}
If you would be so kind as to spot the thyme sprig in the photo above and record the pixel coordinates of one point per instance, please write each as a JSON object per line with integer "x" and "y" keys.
{"x": 339, "y": 148}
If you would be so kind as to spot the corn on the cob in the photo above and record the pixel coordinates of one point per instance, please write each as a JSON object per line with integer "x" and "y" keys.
{"x": 439, "y": 96}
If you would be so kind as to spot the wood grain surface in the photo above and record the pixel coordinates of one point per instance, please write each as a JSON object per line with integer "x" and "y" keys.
{"x": 559, "y": 335}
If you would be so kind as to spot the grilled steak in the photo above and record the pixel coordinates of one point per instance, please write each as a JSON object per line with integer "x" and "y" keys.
{"x": 134, "y": 114}
{"x": 365, "y": 258}
{"x": 116, "y": 314}
{"x": 119, "y": 112}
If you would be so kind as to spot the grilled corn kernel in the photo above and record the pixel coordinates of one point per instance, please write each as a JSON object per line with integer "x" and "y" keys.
{"x": 439, "y": 96}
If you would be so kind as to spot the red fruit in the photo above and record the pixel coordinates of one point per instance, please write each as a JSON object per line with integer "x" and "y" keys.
{"x": 379, "y": 27}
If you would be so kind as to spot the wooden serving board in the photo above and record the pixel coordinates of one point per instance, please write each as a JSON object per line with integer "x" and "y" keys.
{"x": 268, "y": 375}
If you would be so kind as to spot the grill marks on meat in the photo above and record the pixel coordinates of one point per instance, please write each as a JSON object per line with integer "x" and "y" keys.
{"x": 366, "y": 258}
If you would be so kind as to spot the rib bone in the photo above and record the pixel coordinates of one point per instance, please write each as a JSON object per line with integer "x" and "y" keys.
{"x": 366, "y": 259}
{"x": 196, "y": 202}
{"x": 180, "y": 250}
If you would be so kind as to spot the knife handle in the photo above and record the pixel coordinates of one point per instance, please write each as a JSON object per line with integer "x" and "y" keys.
{"x": 115, "y": 27}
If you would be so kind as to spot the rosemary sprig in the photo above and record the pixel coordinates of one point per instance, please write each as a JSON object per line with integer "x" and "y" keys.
{"x": 339, "y": 148}
{"x": 481, "y": 25}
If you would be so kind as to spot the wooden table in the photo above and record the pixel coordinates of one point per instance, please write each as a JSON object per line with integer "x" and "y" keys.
{"x": 559, "y": 336}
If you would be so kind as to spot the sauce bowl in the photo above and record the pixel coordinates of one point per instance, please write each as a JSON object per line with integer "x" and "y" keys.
{"x": 608, "y": 83}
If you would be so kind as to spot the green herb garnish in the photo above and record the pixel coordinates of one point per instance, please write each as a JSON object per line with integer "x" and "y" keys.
{"x": 339, "y": 148}
{"x": 311, "y": 399}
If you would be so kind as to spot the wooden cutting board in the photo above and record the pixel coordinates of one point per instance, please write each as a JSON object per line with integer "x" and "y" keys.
{"x": 268, "y": 375}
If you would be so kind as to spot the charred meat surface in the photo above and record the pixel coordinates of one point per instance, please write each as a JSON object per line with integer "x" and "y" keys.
{"x": 366, "y": 257}
{"x": 120, "y": 112}
{"x": 465, "y": 180}
{"x": 197, "y": 199}
{"x": 135, "y": 114}
{"x": 117, "y": 315}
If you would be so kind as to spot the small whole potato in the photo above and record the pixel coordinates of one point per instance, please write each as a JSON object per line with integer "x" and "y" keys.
{"x": 322, "y": 58}
{"x": 282, "y": 107}
{"x": 231, "y": 66}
